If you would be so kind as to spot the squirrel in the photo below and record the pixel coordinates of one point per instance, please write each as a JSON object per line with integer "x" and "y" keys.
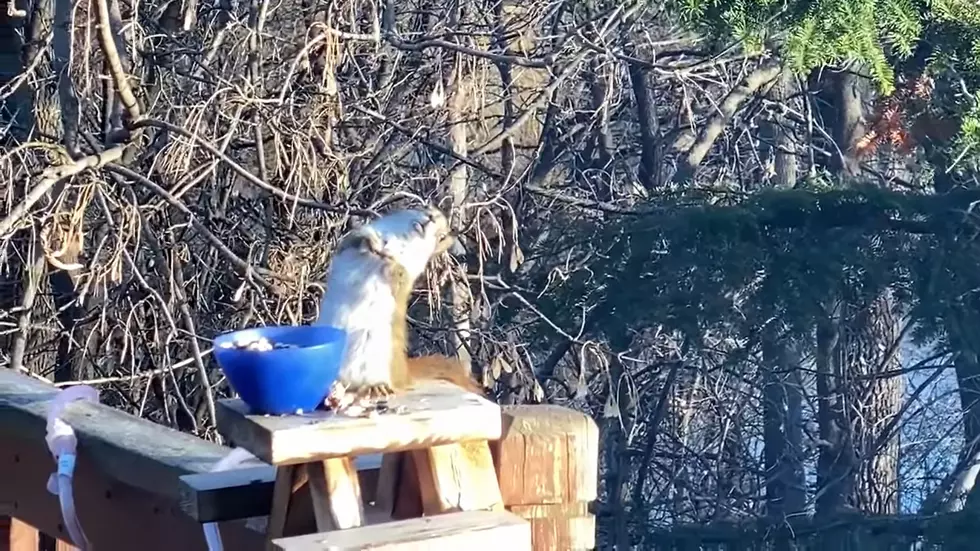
{"x": 369, "y": 284}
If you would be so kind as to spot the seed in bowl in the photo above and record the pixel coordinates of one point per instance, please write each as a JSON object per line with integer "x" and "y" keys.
{"x": 257, "y": 344}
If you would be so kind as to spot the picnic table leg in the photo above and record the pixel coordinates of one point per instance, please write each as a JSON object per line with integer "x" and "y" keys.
{"x": 397, "y": 494}
{"x": 457, "y": 477}
{"x": 289, "y": 480}
{"x": 389, "y": 475}
{"x": 336, "y": 494}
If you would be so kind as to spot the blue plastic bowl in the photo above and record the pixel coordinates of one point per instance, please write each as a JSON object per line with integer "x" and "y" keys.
{"x": 283, "y": 380}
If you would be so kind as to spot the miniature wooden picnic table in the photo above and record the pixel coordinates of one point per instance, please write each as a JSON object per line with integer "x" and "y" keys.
{"x": 443, "y": 430}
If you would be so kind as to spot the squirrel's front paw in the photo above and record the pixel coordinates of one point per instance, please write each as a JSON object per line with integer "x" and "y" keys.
{"x": 369, "y": 242}
{"x": 375, "y": 392}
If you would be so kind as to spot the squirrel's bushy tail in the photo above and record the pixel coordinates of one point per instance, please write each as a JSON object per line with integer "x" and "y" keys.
{"x": 442, "y": 368}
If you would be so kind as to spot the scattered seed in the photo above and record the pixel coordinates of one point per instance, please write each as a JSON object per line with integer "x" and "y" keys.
{"x": 258, "y": 344}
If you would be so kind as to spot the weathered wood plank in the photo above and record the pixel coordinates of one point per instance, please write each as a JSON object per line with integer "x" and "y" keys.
{"x": 131, "y": 450}
{"x": 114, "y": 515}
{"x": 552, "y": 510}
{"x": 471, "y": 530}
{"x": 227, "y": 495}
{"x": 437, "y": 413}
{"x": 247, "y": 492}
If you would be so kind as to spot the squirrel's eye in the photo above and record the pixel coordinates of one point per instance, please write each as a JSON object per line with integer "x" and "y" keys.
{"x": 419, "y": 227}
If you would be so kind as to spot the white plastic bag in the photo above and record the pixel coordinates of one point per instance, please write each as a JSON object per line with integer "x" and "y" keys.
{"x": 62, "y": 444}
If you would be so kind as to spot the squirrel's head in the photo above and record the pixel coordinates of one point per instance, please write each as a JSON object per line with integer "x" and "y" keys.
{"x": 414, "y": 236}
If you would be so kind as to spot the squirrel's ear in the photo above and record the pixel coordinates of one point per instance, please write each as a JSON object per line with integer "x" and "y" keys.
{"x": 443, "y": 204}
{"x": 435, "y": 212}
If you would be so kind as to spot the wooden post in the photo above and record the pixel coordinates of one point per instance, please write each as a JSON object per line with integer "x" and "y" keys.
{"x": 547, "y": 464}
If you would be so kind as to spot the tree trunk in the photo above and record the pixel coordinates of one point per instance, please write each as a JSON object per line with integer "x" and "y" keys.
{"x": 850, "y": 122}
{"x": 16, "y": 106}
{"x": 457, "y": 190}
{"x": 835, "y": 472}
{"x": 651, "y": 144}
{"x": 858, "y": 466}
{"x": 15, "y": 109}
{"x": 837, "y": 461}
{"x": 599, "y": 153}
{"x": 782, "y": 387}
{"x": 781, "y": 158}
{"x": 618, "y": 421}
{"x": 869, "y": 347}
{"x": 842, "y": 99}
{"x": 783, "y": 433}
{"x": 961, "y": 331}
